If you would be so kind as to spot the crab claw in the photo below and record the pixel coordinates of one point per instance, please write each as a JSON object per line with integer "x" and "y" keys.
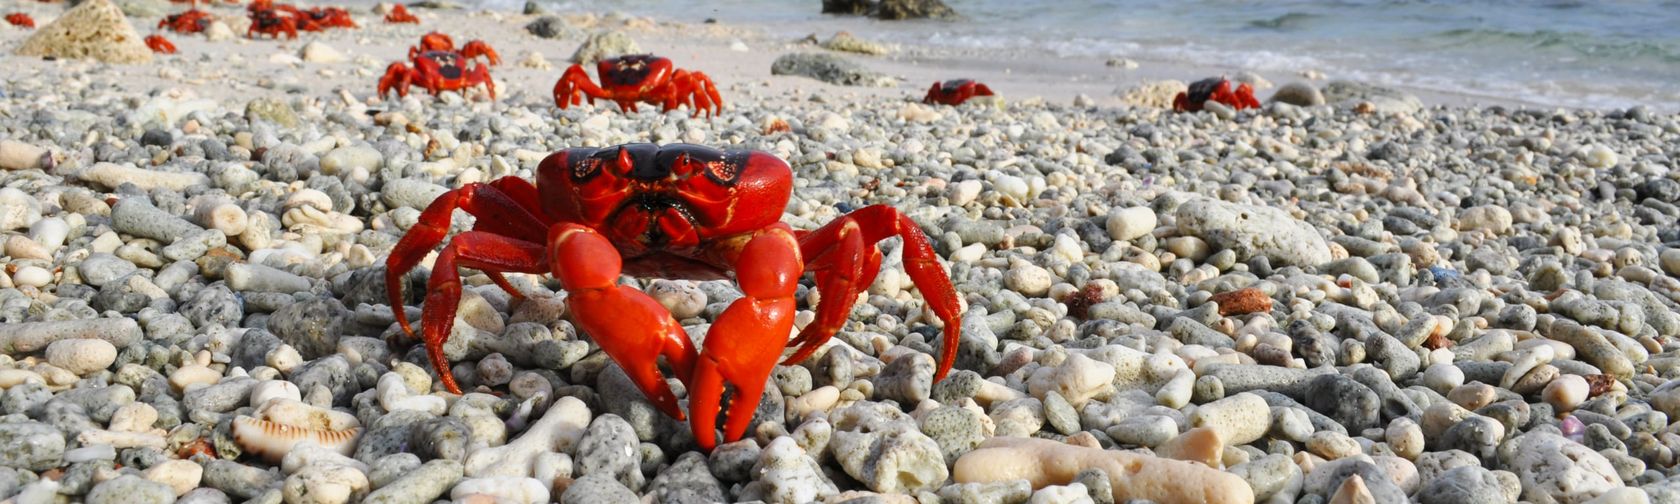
{"x": 478, "y": 48}
{"x": 630, "y": 326}
{"x": 397, "y": 76}
{"x": 747, "y": 339}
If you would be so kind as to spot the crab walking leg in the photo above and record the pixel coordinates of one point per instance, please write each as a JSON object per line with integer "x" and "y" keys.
{"x": 398, "y": 77}
{"x": 481, "y": 74}
{"x": 630, "y": 326}
{"x": 472, "y": 249}
{"x": 745, "y": 342}
{"x": 844, "y": 265}
{"x": 497, "y": 213}
{"x": 876, "y": 223}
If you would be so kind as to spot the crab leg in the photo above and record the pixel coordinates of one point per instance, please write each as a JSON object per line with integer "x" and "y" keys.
{"x": 831, "y": 247}
{"x": 630, "y": 326}
{"x": 497, "y": 213}
{"x": 473, "y": 249}
{"x": 844, "y": 266}
{"x": 746, "y": 340}
{"x": 574, "y": 86}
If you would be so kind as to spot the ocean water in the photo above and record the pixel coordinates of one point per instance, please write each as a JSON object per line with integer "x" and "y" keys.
{"x": 1593, "y": 53}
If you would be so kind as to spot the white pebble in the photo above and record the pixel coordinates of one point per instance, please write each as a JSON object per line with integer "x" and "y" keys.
{"x": 1012, "y": 188}
{"x": 1027, "y": 278}
{"x": 1566, "y": 392}
{"x": 82, "y": 356}
{"x": 32, "y": 276}
{"x": 1131, "y": 223}
{"x": 1599, "y": 156}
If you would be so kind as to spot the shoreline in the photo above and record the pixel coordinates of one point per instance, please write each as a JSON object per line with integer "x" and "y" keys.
{"x": 1016, "y": 75}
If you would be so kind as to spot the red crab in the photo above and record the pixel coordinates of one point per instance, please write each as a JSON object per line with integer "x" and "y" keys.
{"x": 161, "y": 45}
{"x": 439, "y": 67}
{"x": 674, "y": 211}
{"x": 191, "y": 20}
{"x": 271, "y": 22}
{"x": 955, "y": 91}
{"x": 399, "y": 14}
{"x": 321, "y": 18}
{"x": 639, "y": 78}
{"x": 20, "y": 20}
{"x": 1217, "y": 89}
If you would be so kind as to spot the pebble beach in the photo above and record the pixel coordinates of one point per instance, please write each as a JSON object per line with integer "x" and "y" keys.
{"x": 1355, "y": 293}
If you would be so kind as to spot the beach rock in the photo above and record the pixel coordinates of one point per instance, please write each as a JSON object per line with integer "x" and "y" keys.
{"x": 15, "y": 155}
{"x": 1382, "y": 99}
{"x": 81, "y": 356}
{"x": 787, "y": 475}
{"x": 1156, "y": 94}
{"x": 1132, "y": 476}
{"x": 317, "y": 52}
{"x": 1555, "y": 470}
{"x": 272, "y": 110}
{"x": 890, "y": 9}
{"x": 845, "y": 42}
{"x": 1299, "y": 94}
{"x": 132, "y": 490}
{"x": 829, "y": 68}
{"x": 604, "y": 45}
{"x": 890, "y": 462}
{"x": 30, "y": 445}
{"x": 595, "y": 489}
{"x": 551, "y": 27}
{"x": 96, "y": 29}
{"x": 1254, "y": 231}
{"x": 913, "y": 9}
{"x": 1462, "y": 485}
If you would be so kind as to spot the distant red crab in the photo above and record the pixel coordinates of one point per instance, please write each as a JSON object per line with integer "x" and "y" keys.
{"x": 673, "y": 211}
{"x": 955, "y": 91}
{"x": 20, "y": 20}
{"x": 313, "y": 19}
{"x": 191, "y": 20}
{"x": 271, "y": 22}
{"x": 639, "y": 78}
{"x": 160, "y": 45}
{"x": 1217, "y": 89}
{"x": 321, "y": 18}
{"x": 439, "y": 67}
{"x": 399, "y": 14}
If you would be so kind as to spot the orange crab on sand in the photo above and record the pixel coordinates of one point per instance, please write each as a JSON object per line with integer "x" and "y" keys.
{"x": 160, "y": 45}
{"x": 672, "y": 211}
{"x": 399, "y": 14}
{"x": 639, "y": 78}
{"x": 20, "y": 20}
{"x": 439, "y": 67}
{"x": 1217, "y": 89}
{"x": 191, "y": 20}
{"x": 955, "y": 91}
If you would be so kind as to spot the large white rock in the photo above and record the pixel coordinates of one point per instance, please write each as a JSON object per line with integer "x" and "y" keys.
{"x": 1555, "y": 470}
{"x": 1253, "y": 231}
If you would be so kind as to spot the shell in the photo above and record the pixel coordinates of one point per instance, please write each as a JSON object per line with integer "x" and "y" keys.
{"x": 271, "y": 440}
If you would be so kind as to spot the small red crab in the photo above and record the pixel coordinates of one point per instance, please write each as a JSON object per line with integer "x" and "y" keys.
{"x": 160, "y": 45}
{"x": 674, "y": 211}
{"x": 438, "y": 67}
{"x": 20, "y": 20}
{"x": 399, "y": 14}
{"x": 271, "y": 22}
{"x": 1217, "y": 89}
{"x": 320, "y": 18}
{"x": 639, "y": 78}
{"x": 191, "y": 20}
{"x": 955, "y": 91}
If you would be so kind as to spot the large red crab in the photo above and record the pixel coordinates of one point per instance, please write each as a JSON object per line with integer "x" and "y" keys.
{"x": 639, "y": 78}
{"x": 1217, "y": 89}
{"x": 674, "y": 211}
{"x": 955, "y": 91}
{"x": 439, "y": 67}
